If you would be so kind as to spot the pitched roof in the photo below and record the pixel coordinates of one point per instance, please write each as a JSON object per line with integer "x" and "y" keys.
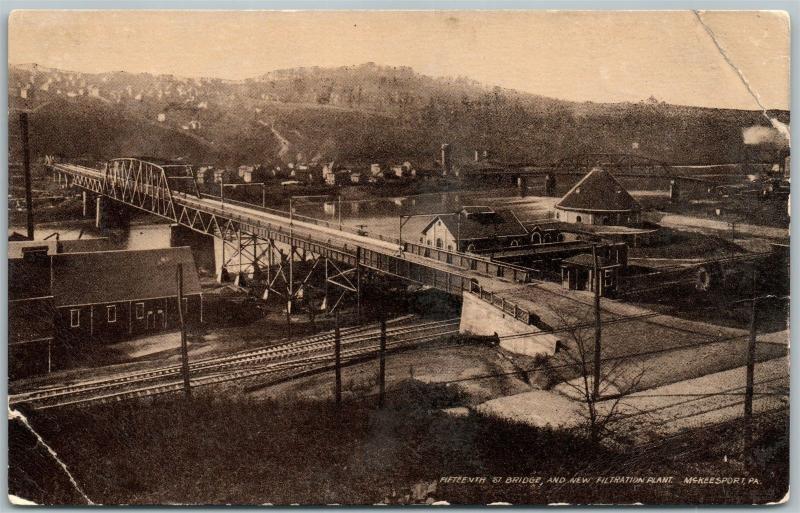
{"x": 480, "y": 223}
{"x": 598, "y": 191}
{"x": 587, "y": 260}
{"x": 109, "y": 276}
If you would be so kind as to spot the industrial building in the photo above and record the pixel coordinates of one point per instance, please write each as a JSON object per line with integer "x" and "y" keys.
{"x": 599, "y": 199}
{"x": 69, "y": 300}
{"x": 473, "y": 229}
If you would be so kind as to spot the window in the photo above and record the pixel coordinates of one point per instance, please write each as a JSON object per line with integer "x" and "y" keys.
{"x": 471, "y": 248}
{"x": 449, "y": 247}
{"x": 438, "y": 242}
{"x": 140, "y": 310}
{"x": 558, "y": 215}
{"x": 111, "y": 314}
{"x": 514, "y": 243}
{"x": 429, "y": 242}
{"x": 578, "y": 219}
{"x": 74, "y": 318}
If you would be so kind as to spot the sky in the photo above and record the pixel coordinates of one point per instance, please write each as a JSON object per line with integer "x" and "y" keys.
{"x": 580, "y": 56}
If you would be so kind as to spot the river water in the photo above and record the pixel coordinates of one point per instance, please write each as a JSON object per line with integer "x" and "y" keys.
{"x": 380, "y": 216}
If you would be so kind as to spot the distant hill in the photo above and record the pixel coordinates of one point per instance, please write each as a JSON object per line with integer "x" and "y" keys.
{"x": 356, "y": 114}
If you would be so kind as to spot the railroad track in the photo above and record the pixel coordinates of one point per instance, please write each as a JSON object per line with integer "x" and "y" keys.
{"x": 286, "y": 357}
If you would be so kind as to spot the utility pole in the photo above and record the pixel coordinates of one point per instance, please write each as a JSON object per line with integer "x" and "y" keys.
{"x": 358, "y": 284}
{"x": 748, "y": 397}
{"x": 597, "y": 325}
{"x": 340, "y": 212}
{"x": 263, "y": 195}
{"x": 184, "y": 346}
{"x": 26, "y": 165}
{"x": 337, "y": 355}
{"x": 382, "y": 367}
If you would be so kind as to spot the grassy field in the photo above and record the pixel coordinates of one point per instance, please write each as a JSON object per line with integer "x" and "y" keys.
{"x": 214, "y": 451}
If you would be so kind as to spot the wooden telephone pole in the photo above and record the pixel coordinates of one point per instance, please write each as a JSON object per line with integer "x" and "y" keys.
{"x": 382, "y": 365}
{"x": 26, "y": 165}
{"x": 749, "y": 384}
{"x": 337, "y": 355}
{"x": 184, "y": 345}
{"x": 597, "y": 325}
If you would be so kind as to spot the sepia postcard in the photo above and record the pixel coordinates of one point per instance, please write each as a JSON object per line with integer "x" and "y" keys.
{"x": 398, "y": 257}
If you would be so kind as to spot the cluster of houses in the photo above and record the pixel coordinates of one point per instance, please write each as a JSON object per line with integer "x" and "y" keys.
{"x": 329, "y": 173}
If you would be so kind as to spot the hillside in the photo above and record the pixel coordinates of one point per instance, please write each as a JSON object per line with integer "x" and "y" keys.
{"x": 357, "y": 114}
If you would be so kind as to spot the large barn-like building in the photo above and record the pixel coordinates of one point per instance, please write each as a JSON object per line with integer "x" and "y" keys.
{"x": 474, "y": 228}
{"x": 599, "y": 199}
{"x": 60, "y": 301}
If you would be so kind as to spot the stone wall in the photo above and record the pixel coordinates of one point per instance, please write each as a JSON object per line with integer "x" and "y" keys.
{"x": 483, "y": 319}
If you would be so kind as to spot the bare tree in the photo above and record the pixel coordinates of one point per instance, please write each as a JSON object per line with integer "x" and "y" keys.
{"x": 572, "y": 367}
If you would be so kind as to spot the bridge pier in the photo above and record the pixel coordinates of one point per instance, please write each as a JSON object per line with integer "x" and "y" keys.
{"x": 674, "y": 191}
{"x": 109, "y": 214}
{"x": 85, "y": 200}
{"x": 202, "y": 246}
{"x": 550, "y": 184}
{"x": 522, "y": 185}
{"x": 99, "y": 216}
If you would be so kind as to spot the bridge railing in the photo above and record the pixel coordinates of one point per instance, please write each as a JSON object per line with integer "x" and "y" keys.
{"x": 505, "y": 305}
{"x": 464, "y": 261}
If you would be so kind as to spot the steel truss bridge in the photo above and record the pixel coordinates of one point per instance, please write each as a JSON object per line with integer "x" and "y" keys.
{"x": 251, "y": 236}
{"x": 621, "y": 164}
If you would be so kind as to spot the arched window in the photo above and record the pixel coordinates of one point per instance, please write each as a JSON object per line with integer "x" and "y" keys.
{"x": 471, "y": 248}
{"x": 438, "y": 242}
{"x": 536, "y": 238}
{"x": 578, "y": 219}
{"x": 514, "y": 243}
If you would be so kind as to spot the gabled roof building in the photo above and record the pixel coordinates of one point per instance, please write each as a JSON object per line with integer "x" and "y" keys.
{"x": 474, "y": 228}
{"x": 599, "y": 198}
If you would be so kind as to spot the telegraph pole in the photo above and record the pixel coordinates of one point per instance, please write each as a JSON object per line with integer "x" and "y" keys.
{"x": 337, "y": 354}
{"x": 26, "y": 164}
{"x": 184, "y": 346}
{"x": 358, "y": 284}
{"x": 382, "y": 368}
{"x": 748, "y": 397}
{"x": 597, "y": 324}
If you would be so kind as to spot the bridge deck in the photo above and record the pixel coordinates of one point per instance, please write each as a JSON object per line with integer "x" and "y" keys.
{"x": 448, "y": 271}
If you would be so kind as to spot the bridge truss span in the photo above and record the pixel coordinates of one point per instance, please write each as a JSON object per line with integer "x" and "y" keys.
{"x": 261, "y": 241}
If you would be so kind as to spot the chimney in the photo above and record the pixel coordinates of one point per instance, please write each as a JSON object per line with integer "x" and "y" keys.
{"x": 446, "y": 160}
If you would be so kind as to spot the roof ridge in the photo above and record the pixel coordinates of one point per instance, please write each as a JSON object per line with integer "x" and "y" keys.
{"x": 141, "y": 250}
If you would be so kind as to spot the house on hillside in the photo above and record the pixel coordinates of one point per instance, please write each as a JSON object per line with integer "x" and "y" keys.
{"x": 599, "y": 199}
{"x": 473, "y": 229}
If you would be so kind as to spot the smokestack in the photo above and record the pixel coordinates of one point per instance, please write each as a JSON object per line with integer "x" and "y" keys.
{"x": 446, "y": 160}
